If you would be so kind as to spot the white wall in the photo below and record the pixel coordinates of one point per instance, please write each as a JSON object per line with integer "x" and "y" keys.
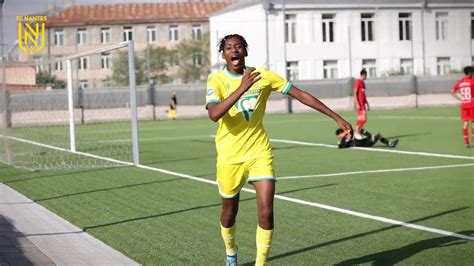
{"x": 248, "y": 22}
{"x": 310, "y": 51}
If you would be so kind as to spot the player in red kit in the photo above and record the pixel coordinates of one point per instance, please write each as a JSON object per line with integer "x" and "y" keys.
{"x": 463, "y": 91}
{"x": 361, "y": 104}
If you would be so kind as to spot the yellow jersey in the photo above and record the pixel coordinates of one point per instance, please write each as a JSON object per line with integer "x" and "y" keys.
{"x": 241, "y": 136}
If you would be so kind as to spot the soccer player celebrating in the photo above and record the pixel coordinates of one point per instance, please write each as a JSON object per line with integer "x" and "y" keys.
{"x": 463, "y": 91}
{"x": 236, "y": 98}
{"x": 360, "y": 102}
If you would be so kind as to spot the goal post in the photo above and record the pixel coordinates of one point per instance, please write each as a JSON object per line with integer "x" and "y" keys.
{"x": 89, "y": 120}
{"x": 133, "y": 95}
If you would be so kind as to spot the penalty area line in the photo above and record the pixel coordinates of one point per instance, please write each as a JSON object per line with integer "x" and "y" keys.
{"x": 284, "y": 198}
{"x": 379, "y": 171}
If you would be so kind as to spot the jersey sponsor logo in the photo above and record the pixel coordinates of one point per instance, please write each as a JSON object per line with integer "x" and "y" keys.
{"x": 247, "y": 103}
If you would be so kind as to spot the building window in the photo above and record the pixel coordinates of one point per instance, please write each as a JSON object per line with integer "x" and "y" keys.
{"x": 371, "y": 66}
{"x": 330, "y": 69}
{"x": 328, "y": 27}
{"x": 472, "y": 25}
{"x": 106, "y": 60}
{"x": 81, "y": 36}
{"x": 404, "y": 26}
{"x": 406, "y": 66}
{"x": 127, "y": 34}
{"x": 83, "y": 63}
{"x": 441, "y": 25}
{"x": 197, "y": 32}
{"x": 443, "y": 65}
{"x": 105, "y": 35}
{"x": 83, "y": 84}
{"x": 59, "y": 37}
{"x": 151, "y": 34}
{"x": 292, "y": 71}
{"x": 197, "y": 59}
{"x": 174, "y": 33}
{"x": 290, "y": 28}
{"x": 59, "y": 63}
{"x": 367, "y": 26}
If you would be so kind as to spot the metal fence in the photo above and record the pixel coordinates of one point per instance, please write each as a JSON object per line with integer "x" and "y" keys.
{"x": 153, "y": 101}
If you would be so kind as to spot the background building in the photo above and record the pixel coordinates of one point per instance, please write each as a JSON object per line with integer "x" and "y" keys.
{"x": 81, "y": 28}
{"x": 326, "y": 39}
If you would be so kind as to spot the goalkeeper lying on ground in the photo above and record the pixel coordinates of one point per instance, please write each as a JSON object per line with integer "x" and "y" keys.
{"x": 368, "y": 140}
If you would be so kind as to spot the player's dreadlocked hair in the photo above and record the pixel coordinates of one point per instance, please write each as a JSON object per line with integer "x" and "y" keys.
{"x": 227, "y": 37}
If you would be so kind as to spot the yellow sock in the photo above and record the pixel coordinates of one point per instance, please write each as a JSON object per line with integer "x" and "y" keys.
{"x": 264, "y": 242}
{"x": 228, "y": 235}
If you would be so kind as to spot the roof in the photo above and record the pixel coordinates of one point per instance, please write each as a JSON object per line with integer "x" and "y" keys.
{"x": 135, "y": 13}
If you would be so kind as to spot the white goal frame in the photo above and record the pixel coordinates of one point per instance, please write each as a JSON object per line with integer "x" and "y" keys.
{"x": 133, "y": 95}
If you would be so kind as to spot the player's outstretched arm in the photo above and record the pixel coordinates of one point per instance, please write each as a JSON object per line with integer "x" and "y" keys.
{"x": 311, "y": 101}
{"x": 218, "y": 110}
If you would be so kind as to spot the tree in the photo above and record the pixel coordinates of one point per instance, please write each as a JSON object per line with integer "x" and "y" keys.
{"x": 160, "y": 59}
{"x": 46, "y": 78}
{"x": 193, "y": 59}
{"x": 120, "y": 69}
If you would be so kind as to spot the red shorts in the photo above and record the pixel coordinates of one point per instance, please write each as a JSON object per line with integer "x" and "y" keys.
{"x": 467, "y": 113}
{"x": 361, "y": 112}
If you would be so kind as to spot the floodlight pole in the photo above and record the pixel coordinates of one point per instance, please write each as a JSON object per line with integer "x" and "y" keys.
{"x": 133, "y": 103}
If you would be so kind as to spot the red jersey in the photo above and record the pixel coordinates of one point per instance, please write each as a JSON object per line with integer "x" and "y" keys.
{"x": 466, "y": 89}
{"x": 359, "y": 93}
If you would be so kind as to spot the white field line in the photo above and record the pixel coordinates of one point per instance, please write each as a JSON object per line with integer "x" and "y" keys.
{"x": 379, "y": 171}
{"x": 375, "y": 149}
{"x": 298, "y": 201}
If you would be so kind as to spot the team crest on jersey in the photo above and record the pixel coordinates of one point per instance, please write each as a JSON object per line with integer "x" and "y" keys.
{"x": 247, "y": 103}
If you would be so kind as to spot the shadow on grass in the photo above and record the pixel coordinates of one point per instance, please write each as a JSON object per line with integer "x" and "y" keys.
{"x": 394, "y": 256}
{"x": 184, "y": 210}
{"x": 61, "y": 173}
{"x": 408, "y": 135}
{"x": 306, "y": 188}
{"x": 294, "y": 252}
{"x": 86, "y": 228}
{"x": 106, "y": 189}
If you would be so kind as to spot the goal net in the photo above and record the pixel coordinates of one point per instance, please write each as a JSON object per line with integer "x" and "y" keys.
{"x": 82, "y": 115}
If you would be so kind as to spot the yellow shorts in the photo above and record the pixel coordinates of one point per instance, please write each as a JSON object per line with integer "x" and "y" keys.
{"x": 232, "y": 177}
{"x": 172, "y": 114}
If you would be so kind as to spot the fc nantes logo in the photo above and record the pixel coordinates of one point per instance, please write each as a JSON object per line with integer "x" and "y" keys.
{"x": 247, "y": 103}
{"x": 31, "y": 33}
